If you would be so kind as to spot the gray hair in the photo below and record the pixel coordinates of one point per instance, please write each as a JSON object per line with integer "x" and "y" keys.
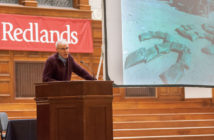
{"x": 63, "y": 41}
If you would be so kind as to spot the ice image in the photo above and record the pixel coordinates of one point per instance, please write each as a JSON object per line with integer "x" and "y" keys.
{"x": 168, "y": 42}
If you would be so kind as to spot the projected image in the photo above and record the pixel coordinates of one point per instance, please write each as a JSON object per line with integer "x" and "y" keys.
{"x": 168, "y": 42}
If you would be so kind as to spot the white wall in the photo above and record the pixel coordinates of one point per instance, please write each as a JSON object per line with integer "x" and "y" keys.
{"x": 195, "y": 92}
{"x": 96, "y": 7}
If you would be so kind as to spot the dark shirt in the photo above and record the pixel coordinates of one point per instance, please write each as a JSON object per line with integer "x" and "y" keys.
{"x": 55, "y": 70}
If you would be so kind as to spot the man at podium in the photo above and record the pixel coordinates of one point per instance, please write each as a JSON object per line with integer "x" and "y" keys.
{"x": 59, "y": 66}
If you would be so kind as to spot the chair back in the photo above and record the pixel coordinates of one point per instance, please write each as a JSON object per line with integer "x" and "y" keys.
{"x": 3, "y": 121}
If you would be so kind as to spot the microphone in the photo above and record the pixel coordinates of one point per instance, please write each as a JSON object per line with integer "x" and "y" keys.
{"x": 90, "y": 69}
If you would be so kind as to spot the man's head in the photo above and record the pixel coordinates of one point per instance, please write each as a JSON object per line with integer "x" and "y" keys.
{"x": 62, "y": 48}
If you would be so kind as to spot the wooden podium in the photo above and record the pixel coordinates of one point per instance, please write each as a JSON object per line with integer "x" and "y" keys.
{"x": 74, "y": 110}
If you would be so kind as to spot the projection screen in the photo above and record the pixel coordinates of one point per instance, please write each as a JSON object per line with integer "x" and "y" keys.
{"x": 159, "y": 42}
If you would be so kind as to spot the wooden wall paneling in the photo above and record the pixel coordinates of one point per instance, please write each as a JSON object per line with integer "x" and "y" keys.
{"x": 81, "y": 4}
{"x": 170, "y": 93}
{"x": 5, "y": 75}
{"x": 76, "y": 57}
{"x": 120, "y": 96}
{"x": 28, "y": 2}
{"x": 30, "y": 56}
{"x": 76, "y": 4}
{"x": 12, "y": 77}
{"x": 97, "y": 37}
{"x": 97, "y": 24}
{"x": 76, "y": 77}
{"x": 122, "y": 93}
{"x": 90, "y": 66}
{"x": 25, "y": 56}
{"x": 89, "y": 60}
{"x": 35, "y": 56}
{"x": 4, "y": 88}
{"x": 95, "y": 68}
{"x": 5, "y": 78}
{"x": 20, "y": 54}
{"x": 162, "y": 93}
{"x": 117, "y": 94}
{"x": 11, "y": 71}
{"x": 4, "y": 55}
{"x": 4, "y": 68}
{"x": 46, "y": 54}
{"x": 21, "y": 1}
{"x": 97, "y": 50}
{"x": 97, "y": 29}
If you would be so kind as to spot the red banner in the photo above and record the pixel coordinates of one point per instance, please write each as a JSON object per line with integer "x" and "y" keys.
{"x": 36, "y": 33}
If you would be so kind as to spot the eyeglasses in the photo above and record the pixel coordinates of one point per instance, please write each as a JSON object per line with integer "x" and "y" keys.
{"x": 66, "y": 48}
